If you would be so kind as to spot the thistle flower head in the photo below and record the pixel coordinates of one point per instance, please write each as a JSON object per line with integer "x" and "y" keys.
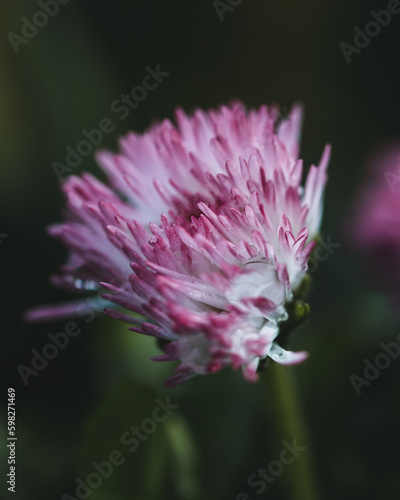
{"x": 201, "y": 237}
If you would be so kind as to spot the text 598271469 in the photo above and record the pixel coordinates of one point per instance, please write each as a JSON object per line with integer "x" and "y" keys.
{"x": 11, "y": 440}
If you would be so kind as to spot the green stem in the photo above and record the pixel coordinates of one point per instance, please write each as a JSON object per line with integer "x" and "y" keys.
{"x": 283, "y": 398}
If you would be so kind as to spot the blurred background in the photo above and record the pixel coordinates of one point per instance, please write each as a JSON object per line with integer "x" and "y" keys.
{"x": 64, "y": 79}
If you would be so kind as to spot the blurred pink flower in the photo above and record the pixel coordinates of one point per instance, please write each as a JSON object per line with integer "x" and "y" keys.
{"x": 376, "y": 228}
{"x": 204, "y": 233}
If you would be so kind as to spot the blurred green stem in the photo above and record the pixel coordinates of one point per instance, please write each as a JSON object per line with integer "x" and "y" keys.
{"x": 300, "y": 480}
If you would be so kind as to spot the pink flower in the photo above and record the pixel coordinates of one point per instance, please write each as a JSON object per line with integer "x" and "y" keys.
{"x": 202, "y": 237}
{"x": 376, "y": 228}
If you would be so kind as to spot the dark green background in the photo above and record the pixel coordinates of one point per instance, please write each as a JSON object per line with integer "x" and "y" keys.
{"x": 72, "y": 413}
